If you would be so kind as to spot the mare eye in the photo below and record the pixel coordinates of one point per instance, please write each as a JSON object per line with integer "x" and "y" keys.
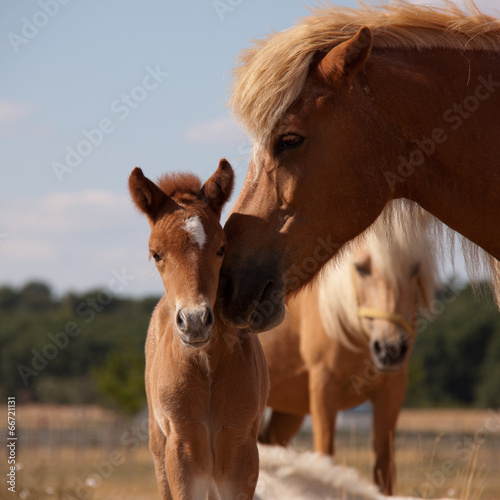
{"x": 288, "y": 141}
{"x": 156, "y": 257}
{"x": 363, "y": 269}
{"x": 220, "y": 252}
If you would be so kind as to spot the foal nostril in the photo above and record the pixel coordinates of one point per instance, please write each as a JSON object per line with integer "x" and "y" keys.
{"x": 181, "y": 321}
{"x": 377, "y": 347}
{"x": 194, "y": 321}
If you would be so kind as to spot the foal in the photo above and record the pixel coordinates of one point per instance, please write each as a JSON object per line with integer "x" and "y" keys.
{"x": 207, "y": 384}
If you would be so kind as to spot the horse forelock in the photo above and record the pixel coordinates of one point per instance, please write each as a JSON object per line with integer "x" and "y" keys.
{"x": 271, "y": 74}
{"x": 194, "y": 213}
{"x": 177, "y": 185}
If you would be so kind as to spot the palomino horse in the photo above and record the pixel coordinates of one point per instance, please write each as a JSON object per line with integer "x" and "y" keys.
{"x": 349, "y": 109}
{"x": 348, "y": 339}
{"x": 206, "y": 383}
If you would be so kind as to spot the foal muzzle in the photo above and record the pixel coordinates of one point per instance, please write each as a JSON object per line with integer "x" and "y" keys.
{"x": 194, "y": 325}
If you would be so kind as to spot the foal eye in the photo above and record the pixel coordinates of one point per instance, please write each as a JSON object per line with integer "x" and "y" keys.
{"x": 220, "y": 252}
{"x": 156, "y": 257}
{"x": 288, "y": 141}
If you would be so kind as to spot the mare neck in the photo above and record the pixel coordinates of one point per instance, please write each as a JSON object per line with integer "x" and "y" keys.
{"x": 438, "y": 111}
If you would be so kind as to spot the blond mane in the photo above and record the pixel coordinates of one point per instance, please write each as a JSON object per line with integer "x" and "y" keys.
{"x": 401, "y": 237}
{"x": 271, "y": 74}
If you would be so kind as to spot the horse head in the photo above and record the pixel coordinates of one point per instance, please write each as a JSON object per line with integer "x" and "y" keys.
{"x": 187, "y": 243}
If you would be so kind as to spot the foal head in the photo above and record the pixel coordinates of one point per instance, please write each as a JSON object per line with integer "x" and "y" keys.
{"x": 187, "y": 243}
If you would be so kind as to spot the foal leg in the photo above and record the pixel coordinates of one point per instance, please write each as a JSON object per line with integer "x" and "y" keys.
{"x": 236, "y": 465}
{"x": 157, "y": 445}
{"x": 281, "y": 428}
{"x": 189, "y": 463}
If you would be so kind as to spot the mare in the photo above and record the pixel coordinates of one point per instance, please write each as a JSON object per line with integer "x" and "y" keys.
{"x": 349, "y": 109}
{"x": 348, "y": 339}
{"x": 206, "y": 383}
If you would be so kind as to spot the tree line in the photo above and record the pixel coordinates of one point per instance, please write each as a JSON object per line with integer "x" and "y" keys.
{"x": 89, "y": 348}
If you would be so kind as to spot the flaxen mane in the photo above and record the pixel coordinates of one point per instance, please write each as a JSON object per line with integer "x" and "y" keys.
{"x": 272, "y": 73}
{"x": 395, "y": 245}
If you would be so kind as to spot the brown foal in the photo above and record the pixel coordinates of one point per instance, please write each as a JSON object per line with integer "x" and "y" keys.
{"x": 207, "y": 384}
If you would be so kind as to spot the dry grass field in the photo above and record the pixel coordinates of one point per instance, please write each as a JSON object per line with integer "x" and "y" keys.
{"x": 87, "y": 453}
{"x": 439, "y": 453}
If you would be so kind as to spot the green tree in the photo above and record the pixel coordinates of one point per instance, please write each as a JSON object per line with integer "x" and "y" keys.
{"x": 451, "y": 350}
{"x": 121, "y": 379}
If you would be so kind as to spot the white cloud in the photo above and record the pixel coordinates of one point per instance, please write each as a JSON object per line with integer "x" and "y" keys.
{"x": 66, "y": 213}
{"x": 220, "y": 130}
{"x": 11, "y": 116}
{"x": 12, "y": 111}
{"x": 75, "y": 241}
{"x": 25, "y": 248}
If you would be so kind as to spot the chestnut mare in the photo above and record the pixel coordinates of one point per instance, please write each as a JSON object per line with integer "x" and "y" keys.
{"x": 348, "y": 339}
{"x": 206, "y": 383}
{"x": 349, "y": 109}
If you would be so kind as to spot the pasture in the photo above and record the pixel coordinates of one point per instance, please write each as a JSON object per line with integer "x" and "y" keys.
{"x": 76, "y": 453}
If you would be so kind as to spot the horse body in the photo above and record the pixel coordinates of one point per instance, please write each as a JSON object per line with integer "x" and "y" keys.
{"x": 331, "y": 378}
{"x": 206, "y": 383}
{"x": 407, "y": 107}
{"x": 348, "y": 339}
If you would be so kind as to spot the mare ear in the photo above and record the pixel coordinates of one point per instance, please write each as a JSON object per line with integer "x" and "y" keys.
{"x": 345, "y": 60}
{"x": 147, "y": 196}
{"x": 219, "y": 187}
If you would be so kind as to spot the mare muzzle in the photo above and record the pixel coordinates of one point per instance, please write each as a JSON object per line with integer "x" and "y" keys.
{"x": 254, "y": 300}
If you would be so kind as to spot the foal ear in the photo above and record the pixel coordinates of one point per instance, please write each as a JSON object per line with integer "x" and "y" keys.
{"x": 147, "y": 196}
{"x": 219, "y": 187}
{"x": 345, "y": 60}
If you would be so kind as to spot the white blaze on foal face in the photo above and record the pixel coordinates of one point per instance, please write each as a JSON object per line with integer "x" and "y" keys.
{"x": 195, "y": 228}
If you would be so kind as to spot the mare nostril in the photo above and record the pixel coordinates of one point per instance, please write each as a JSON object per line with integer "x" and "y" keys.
{"x": 181, "y": 321}
{"x": 208, "y": 317}
{"x": 377, "y": 347}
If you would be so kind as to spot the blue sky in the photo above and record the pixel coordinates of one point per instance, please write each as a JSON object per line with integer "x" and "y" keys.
{"x": 146, "y": 83}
